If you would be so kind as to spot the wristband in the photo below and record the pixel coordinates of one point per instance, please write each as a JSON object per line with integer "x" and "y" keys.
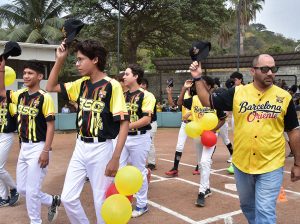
{"x": 47, "y": 151}
{"x": 197, "y": 79}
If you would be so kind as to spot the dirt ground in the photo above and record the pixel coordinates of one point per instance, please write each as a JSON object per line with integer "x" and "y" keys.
{"x": 171, "y": 200}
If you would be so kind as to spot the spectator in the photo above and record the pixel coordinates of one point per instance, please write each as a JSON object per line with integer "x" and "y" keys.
{"x": 65, "y": 109}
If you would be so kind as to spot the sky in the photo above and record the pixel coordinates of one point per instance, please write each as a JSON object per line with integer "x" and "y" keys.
{"x": 279, "y": 16}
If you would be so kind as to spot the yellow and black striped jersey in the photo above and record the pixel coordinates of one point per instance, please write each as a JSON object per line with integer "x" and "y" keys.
{"x": 34, "y": 111}
{"x": 8, "y": 114}
{"x": 101, "y": 106}
{"x": 140, "y": 103}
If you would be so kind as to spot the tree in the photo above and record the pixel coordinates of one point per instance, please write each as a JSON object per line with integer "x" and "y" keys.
{"x": 248, "y": 10}
{"x": 167, "y": 26}
{"x": 34, "y": 21}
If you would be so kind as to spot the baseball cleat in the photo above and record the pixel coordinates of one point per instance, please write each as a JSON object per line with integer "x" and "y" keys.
{"x": 14, "y": 197}
{"x": 139, "y": 211}
{"x": 52, "y": 210}
{"x": 172, "y": 173}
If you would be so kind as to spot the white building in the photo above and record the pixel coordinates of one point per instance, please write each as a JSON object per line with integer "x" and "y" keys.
{"x": 41, "y": 52}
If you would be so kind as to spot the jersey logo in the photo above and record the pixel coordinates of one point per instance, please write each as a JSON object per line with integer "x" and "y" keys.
{"x": 132, "y": 109}
{"x": 102, "y": 93}
{"x": 260, "y": 111}
{"x": 36, "y": 102}
{"x": 3, "y": 121}
{"x": 26, "y": 110}
{"x": 91, "y": 105}
{"x": 279, "y": 99}
{"x": 3, "y": 112}
{"x": 200, "y": 111}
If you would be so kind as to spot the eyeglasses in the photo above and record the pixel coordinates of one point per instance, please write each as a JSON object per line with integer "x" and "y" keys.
{"x": 266, "y": 69}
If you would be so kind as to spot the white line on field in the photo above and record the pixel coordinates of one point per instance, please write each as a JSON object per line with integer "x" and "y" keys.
{"x": 219, "y": 217}
{"x": 171, "y": 212}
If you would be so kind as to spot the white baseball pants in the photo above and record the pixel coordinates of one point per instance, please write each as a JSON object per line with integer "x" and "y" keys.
{"x": 6, "y": 181}
{"x": 181, "y": 138}
{"x": 204, "y": 155}
{"x": 224, "y": 133}
{"x": 151, "y": 156}
{"x": 136, "y": 150}
{"x": 88, "y": 159}
{"x": 29, "y": 180}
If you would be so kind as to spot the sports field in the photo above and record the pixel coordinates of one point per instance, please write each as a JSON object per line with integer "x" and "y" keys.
{"x": 171, "y": 200}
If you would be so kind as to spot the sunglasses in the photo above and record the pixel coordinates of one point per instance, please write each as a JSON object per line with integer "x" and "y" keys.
{"x": 266, "y": 69}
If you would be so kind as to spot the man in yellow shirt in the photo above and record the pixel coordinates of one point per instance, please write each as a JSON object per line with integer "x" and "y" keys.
{"x": 262, "y": 112}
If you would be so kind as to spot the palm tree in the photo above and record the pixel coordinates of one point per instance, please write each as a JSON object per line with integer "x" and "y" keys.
{"x": 35, "y": 21}
{"x": 249, "y": 9}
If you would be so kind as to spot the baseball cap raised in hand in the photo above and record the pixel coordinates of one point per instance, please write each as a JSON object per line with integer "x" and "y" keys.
{"x": 199, "y": 50}
{"x": 71, "y": 28}
{"x": 11, "y": 49}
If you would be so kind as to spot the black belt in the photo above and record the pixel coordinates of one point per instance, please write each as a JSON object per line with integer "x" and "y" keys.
{"x": 29, "y": 141}
{"x": 137, "y": 133}
{"x": 91, "y": 139}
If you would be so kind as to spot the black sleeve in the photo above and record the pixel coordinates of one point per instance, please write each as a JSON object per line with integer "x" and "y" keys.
{"x": 187, "y": 103}
{"x": 64, "y": 91}
{"x": 222, "y": 101}
{"x": 8, "y": 96}
{"x": 290, "y": 119}
{"x": 221, "y": 114}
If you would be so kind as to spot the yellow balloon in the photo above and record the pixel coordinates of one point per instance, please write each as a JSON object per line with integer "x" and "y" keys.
{"x": 193, "y": 129}
{"x": 116, "y": 209}
{"x": 128, "y": 180}
{"x": 209, "y": 121}
{"x": 10, "y": 76}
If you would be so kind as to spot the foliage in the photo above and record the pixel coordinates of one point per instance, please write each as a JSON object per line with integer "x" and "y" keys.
{"x": 166, "y": 27}
{"x": 34, "y": 21}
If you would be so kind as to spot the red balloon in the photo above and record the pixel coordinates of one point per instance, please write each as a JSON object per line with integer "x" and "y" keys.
{"x": 208, "y": 138}
{"x": 113, "y": 190}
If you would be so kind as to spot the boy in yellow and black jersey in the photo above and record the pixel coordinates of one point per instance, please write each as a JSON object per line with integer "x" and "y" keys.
{"x": 35, "y": 111}
{"x": 204, "y": 153}
{"x": 100, "y": 106}
{"x": 8, "y": 125}
{"x": 140, "y": 104}
{"x": 101, "y": 116}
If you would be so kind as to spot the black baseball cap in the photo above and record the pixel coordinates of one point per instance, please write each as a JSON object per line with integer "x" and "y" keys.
{"x": 11, "y": 49}
{"x": 199, "y": 50}
{"x": 71, "y": 28}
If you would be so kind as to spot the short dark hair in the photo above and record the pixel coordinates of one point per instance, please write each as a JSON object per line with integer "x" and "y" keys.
{"x": 35, "y": 65}
{"x": 93, "y": 49}
{"x": 137, "y": 70}
{"x": 217, "y": 82}
{"x": 209, "y": 81}
{"x": 236, "y": 75}
{"x": 120, "y": 77}
{"x": 145, "y": 82}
